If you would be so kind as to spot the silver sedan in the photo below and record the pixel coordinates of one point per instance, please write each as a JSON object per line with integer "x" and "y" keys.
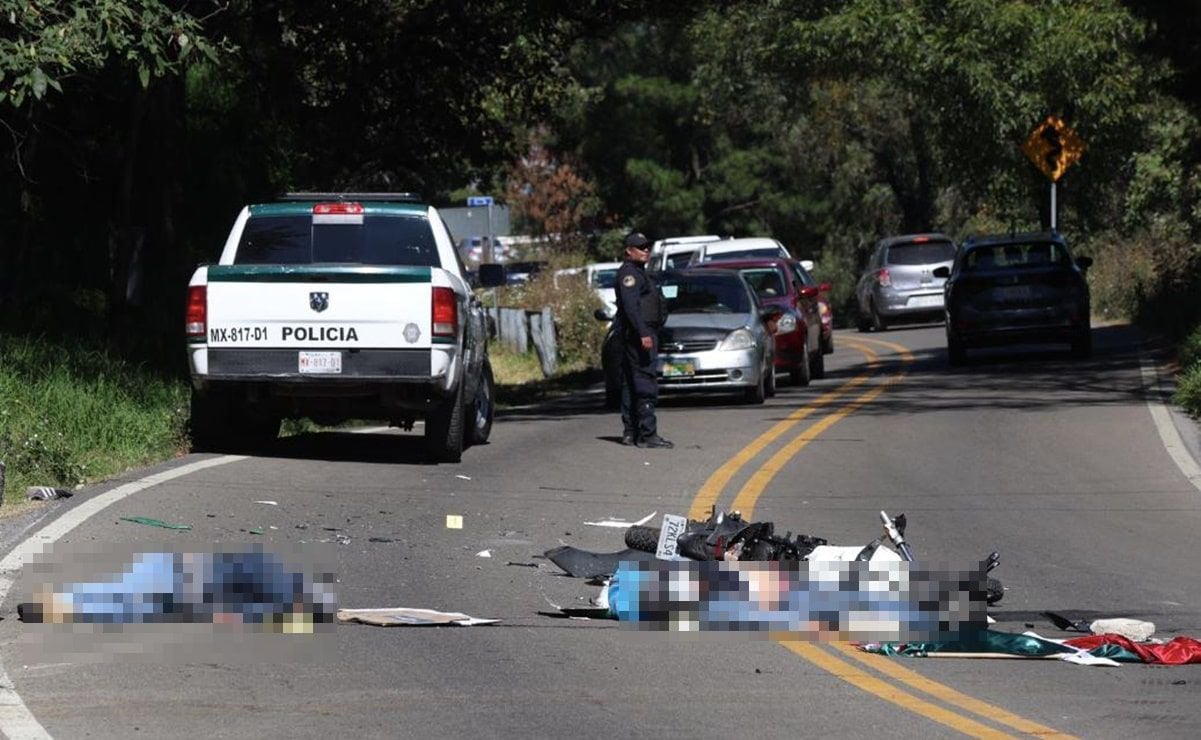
{"x": 716, "y": 338}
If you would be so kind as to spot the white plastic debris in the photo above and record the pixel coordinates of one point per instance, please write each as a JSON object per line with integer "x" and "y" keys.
{"x": 463, "y": 477}
{"x": 621, "y": 524}
{"x": 454, "y": 521}
{"x": 269, "y": 503}
{"x": 405, "y": 617}
{"x": 484, "y": 554}
{"x": 1134, "y": 630}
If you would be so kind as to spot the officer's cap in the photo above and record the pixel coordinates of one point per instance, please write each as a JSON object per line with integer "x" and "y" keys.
{"x": 636, "y": 239}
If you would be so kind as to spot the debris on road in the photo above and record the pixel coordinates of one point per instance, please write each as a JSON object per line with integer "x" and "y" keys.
{"x": 46, "y": 493}
{"x": 150, "y": 522}
{"x": 1135, "y": 630}
{"x": 463, "y": 477}
{"x": 454, "y": 521}
{"x": 406, "y": 617}
{"x": 522, "y": 565}
{"x": 484, "y": 554}
{"x": 620, "y": 523}
{"x": 269, "y": 503}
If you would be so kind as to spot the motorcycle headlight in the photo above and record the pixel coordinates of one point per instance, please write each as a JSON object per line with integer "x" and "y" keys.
{"x": 786, "y": 323}
{"x": 737, "y": 339}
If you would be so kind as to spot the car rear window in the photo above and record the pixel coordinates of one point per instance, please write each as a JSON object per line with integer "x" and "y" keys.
{"x": 767, "y": 282}
{"x": 706, "y": 294}
{"x": 1012, "y": 256}
{"x": 677, "y": 260}
{"x": 920, "y": 253}
{"x": 378, "y": 240}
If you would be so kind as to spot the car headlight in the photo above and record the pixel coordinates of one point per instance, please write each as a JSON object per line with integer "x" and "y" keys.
{"x": 786, "y": 323}
{"x": 737, "y": 339}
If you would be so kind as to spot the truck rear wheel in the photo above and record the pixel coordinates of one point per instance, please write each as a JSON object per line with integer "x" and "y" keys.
{"x": 219, "y": 424}
{"x": 482, "y": 408}
{"x": 444, "y": 430}
{"x": 208, "y": 422}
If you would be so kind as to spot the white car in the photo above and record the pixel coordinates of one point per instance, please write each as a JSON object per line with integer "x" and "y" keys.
{"x": 737, "y": 249}
{"x": 675, "y": 253}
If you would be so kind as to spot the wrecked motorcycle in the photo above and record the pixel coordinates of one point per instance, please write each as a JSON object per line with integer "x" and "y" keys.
{"x": 727, "y": 536}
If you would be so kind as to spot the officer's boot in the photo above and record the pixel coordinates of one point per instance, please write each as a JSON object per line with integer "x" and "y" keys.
{"x": 648, "y": 434}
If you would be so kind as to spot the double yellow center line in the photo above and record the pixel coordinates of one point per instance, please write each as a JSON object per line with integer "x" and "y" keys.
{"x": 828, "y": 658}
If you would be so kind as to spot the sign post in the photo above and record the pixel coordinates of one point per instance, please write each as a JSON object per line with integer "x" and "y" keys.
{"x": 1053, "y": 147}
{"x": 485, "y": 200}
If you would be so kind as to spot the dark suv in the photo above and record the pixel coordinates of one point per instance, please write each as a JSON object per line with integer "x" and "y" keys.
{"x": 1016, "y": 288}
{"x": 899, "y": 284}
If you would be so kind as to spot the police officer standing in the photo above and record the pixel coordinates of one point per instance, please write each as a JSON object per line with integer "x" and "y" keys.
{"x": 641, "y": 311}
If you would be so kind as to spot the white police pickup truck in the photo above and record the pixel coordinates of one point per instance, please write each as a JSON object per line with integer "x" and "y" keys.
{"x": 335, "y": 307}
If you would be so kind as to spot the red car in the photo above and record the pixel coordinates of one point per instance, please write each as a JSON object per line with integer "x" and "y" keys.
{"x": 780, "y": 283}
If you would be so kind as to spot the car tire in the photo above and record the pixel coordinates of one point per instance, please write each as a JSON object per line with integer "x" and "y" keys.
{"x": 817, "y": 365}
{"x": 802, "y": 374}
{"x": 758, "y": 394}
{"x": 1082, "y": 344}
{"x": 483, "y": 408}
{"x": 444, "y": 430}
{"x": 769, "y": 388}
{"x": 879, "y": 323}
{"x": 862, "y": 322}
{"x": 956, "y": 353}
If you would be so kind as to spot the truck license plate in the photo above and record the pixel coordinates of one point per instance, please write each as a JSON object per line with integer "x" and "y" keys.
{"x": 321, "y": 362}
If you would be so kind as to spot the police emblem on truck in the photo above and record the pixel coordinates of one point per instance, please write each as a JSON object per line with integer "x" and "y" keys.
{"x": 318, "y": 301}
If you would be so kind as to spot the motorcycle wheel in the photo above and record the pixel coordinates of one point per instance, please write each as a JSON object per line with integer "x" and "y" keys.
{"x": 993, "y": 590}
{"x": 642, "y": 537}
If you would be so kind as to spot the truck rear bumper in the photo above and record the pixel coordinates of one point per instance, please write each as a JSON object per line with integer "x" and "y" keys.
{"x": 356, "y": 365}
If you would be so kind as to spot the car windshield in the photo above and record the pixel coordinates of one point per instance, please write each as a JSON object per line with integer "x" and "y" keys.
{"x": 767, "y": 282}
{"x": 1008, "y": 256}
{"x": 706, "y": 294}
{"x": 604, "y": 278}
{"x": 378, "y": 240}
{"x": 921, "y": 253}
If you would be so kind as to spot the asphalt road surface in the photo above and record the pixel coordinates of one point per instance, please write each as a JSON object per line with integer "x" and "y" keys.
{"x": 1052, "y": 461}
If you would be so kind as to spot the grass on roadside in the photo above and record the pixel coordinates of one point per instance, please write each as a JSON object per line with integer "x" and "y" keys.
{"x": 519, "y": 379}
{"x": 71, "y": 415}
{"x": 1188, "y": 383}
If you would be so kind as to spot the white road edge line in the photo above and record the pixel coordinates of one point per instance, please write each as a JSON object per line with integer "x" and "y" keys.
{"x": 16, "y": 721}
{"x": 1163, "y": 423}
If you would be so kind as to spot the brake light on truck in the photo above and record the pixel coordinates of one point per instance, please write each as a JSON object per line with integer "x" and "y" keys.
{"x": 445, "y": 312}
{"x": 196, "y": 315}
{"x": 325, "y": 209}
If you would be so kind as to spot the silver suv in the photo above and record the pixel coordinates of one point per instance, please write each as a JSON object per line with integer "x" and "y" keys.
{"x": 898, "y": 283}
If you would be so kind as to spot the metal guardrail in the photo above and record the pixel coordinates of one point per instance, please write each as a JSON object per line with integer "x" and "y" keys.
{"x": 520, "y": 330}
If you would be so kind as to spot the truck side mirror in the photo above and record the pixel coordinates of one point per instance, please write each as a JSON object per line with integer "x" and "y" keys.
{"x": 491, "y": 275}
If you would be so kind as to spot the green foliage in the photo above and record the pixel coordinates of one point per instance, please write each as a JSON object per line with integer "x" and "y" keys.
{"x": 48, "y": 43}
{"x": 578, "y": 333}
{"x": 70, "y": 415}
{"x": 1188, "y": 390}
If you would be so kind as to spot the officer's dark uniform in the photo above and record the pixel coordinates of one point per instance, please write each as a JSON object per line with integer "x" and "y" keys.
{"x": 641, "y": 311}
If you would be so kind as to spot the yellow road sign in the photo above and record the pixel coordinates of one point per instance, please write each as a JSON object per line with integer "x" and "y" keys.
{"x": 1053, "y": 147}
